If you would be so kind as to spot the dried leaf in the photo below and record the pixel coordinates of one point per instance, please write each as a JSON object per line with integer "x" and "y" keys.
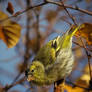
{"x": 10, "y": 8}
{"x": 86, "y": 32}
{"x": 73, "y": 89}
{"x": 3, "y": 16}
{"x": 9, "y": 31}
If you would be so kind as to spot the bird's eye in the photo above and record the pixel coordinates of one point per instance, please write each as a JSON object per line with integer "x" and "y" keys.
{"x": 32, "y": 70}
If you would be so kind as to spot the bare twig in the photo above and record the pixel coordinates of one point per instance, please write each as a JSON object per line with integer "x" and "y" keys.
{"x": 75, "y": 85}
{"x": 80, "y": 45}
{"x": 71, "y": 7}
{"x": 51, "y": 2}
{"x": 23, "y": 11}
{"x": 88, "y": 57}
{"x": 68, "y": 13}
{"x": 7, "y": 87}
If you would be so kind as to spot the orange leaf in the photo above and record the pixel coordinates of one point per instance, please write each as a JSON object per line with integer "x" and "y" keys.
{"x": 73, "y": 89}
{"x": 10, "y": 8}
{"x": 2, "y": 35}
{"x": 86, "y": 32}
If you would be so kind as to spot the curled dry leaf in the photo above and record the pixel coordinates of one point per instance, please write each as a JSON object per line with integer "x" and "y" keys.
{"x": 9, "y": 31}
{"x": 85, "y": 32}
{"x": 10, "y": 8}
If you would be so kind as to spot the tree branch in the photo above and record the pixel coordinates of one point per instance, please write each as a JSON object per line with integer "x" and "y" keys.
{"x": 71, "y": 7}
{"x": 50, "y": 2}
{"x": 68, "y": 13}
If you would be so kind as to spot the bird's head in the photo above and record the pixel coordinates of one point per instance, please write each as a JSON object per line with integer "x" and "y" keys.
{"x": 35, "y": 72}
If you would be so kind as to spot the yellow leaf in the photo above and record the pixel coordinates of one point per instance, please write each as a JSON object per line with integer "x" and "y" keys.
{"x": 2, "y": 35}
{"x": 9, "y": 31}
{"x": 85, "y": 77}
{"x": 2, "y": 17}
{"x": 85, "y": 31}
{"x": 73, "y": 89}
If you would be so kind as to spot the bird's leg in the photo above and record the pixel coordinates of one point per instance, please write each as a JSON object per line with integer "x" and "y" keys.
{"x": 55, "y": 85}
{"x": 59, "y": 82}
{"x": 58, "y": 85}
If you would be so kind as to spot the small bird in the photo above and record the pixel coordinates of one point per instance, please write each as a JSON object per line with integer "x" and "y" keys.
{"x": 54, "y": 61}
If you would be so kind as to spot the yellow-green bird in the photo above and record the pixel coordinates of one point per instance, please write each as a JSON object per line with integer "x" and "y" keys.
{"x": 54, "y": 61}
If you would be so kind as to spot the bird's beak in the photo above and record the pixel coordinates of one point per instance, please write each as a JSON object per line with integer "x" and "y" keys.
{"x": 30, "y": 78}
{"x": 28, "y": 75}
{"x": 27, "y": 72}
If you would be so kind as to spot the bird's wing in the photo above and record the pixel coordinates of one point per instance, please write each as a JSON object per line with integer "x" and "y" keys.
{"x": 64, "y": 56}
{"x": 47, "y": 54}
{"x": 63, "y": 64}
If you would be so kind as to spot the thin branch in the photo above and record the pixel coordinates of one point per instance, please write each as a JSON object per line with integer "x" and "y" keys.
{"x": 88, "y": 56}
{"x": 75, "y": 85}
{"x": 23, "y": 11}
{"x": 68, "y": 13}
{"x": 50, "y": 2}
{"x": 71, "y": 7}
{"x": 80, "y": 45}
{"x": 16, "y": 78}
{"x": 7, "y": 87}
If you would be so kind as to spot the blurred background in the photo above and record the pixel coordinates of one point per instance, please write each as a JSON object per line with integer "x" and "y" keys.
{"x": 39, "y": 25}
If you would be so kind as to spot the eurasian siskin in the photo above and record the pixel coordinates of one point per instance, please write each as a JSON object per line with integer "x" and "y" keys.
{"x": 54, "y": 61}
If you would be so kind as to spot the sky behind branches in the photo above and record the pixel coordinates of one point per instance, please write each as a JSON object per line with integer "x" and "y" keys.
{"x": 9, "y": 64}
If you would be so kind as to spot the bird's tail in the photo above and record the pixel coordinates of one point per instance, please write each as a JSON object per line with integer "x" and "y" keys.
{"x": 66, "y": 40}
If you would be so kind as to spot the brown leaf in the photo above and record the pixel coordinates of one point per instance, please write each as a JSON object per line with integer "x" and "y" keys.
{"x": 86, "y": 32}
{"x": 10, "y": 8}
